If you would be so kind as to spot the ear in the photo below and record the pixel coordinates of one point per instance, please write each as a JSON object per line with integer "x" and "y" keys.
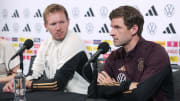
{"x": 134, "y": 29}
{"x": 68, "y": 21}
{"x": 46, "y": 26}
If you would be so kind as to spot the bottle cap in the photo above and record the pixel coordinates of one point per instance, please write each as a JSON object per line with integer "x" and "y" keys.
{"x": 19, "y": 71}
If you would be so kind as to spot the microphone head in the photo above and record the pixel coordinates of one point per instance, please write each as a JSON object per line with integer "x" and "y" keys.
{"x": 104, "y": 46}
{"x": 28, "y": 43}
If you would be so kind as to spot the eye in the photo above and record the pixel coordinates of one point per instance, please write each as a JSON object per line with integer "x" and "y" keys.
{"x": 117, "y": 27}
{"x": 62, "y": 22}
{"x": 53, "y": 24}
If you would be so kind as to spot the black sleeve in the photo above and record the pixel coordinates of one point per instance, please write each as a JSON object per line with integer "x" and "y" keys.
{"x": 64, "y": 74}
{"x": 111, "y": 91}
{"x": 162, "y": 80}
{"x": 144, "y": 91}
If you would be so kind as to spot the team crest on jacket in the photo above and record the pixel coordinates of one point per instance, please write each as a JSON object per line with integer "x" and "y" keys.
{"x": 140, "y": 64}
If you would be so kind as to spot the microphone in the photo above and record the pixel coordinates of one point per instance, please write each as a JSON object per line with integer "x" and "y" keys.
{"x": 102, "y": 48}
{"x": 27, "y": 45}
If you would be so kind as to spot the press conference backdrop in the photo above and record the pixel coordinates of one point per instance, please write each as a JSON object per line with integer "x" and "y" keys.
{"x": 22, "y": 19}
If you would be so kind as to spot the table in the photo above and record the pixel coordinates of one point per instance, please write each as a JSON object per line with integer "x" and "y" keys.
{"x": 46, "y": 96}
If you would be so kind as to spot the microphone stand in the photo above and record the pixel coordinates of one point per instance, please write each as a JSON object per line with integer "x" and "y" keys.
{"x": 92, "y": 89}
{"x": 93, "y": 94}
{"x": 21, "y": 62}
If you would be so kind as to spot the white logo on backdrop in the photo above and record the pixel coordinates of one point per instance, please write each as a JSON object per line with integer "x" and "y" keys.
{"x": 104, "y": 11}
{"x": 152, "y": 28}
{"x": 75, "y": 12}
{"x": 15, "y": 27}
{"x": 169, "y": 10}
{"x": 89, "y": 27}
{"x": 26, "y": 13}
{"x": 4, "y": 13}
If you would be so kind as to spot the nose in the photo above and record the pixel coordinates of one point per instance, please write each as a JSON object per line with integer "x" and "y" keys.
{"x": 58, "y": 26}
{"x": 112, "y": 32}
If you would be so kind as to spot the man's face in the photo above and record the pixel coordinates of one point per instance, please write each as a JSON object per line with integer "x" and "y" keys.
{"x": 120, "y": 33}
{"x": 57, "y": 25}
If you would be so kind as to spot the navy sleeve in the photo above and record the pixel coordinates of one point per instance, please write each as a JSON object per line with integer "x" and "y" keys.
{"x": 64, "y": 74}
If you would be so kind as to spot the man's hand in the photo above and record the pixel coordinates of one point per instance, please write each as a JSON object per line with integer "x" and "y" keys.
{"x": 9, "y": 87}
{"x": 104, "y": 78}
{"x": 28, "y": 84}
{"x": 133, "y": 85}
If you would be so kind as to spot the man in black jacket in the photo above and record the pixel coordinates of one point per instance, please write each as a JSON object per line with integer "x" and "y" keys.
{"x": 139, "y": 70}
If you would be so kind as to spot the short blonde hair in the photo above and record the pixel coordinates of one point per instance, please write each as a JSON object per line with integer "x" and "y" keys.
{"x": 54, "y": 8}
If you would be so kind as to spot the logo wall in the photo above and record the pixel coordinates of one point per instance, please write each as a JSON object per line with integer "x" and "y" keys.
{"x": 92, "y": 23}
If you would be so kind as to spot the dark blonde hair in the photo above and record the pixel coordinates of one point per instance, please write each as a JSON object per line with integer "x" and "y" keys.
{"x": 54, "y": 8}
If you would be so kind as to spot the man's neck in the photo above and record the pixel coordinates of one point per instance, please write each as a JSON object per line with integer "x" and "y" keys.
{"x": 132, "y": 44}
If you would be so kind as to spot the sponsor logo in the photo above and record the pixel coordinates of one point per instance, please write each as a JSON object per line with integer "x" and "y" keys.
{"x": 152, "y": 28}
{"x": 26, "y": 13}
{"x": 4, "y": 13}
{"x": 15, "y": 27}
{"x": 88, "y": 41}
{"x": 173, "y": 58}
{"x": 121, "y": 77}
{"x": 89, "y": 48}
{"x": 75, "y": 12}
{"x": 14, "y": 39}
{"x": 15, "y": 44}
{"x": 152, "y": 12}
{"x": 95, "y": 48}
{"x": 35, "y": 52}
{"x": 5, "y": 28}
{"x": 29, "y": 51}
{"x": 169, "y": 10}
{"x": 21, "y": 39}
{"x": 76, "y": 28}
{"x": 108, "y": 41}
{"x": 27, "y": 28}
{"x": 104, "y": 11}
{"x": 104, "y": 29}
{"x": 36, "y": 39}
{"x": 15, "y": 14}
{"x": 38, "y": 27}
{"x": 89, "y": 13}
{"x": 96, "y": 42}
{"x": 170, "y": 29}
{"x": 2, "y": 37}
{"x": 89, "y": 27}
{"x": 38, "y": 14}
{"x": 36, "y": 45}
{"x": 20, "y": 44}
{"x": 172, "y": 44}
{"x": 162, "y": 43}
{"x": 172, "y": 51}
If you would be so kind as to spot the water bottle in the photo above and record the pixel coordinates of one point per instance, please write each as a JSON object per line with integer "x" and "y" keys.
{"x": 19, "y": 86}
